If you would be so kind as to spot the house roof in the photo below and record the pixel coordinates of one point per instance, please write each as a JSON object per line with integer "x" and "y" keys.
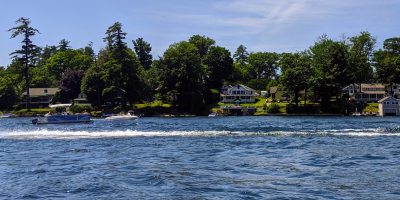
{"x": 41, "y": 91}
{"x": 366, "y": 85}
{"x": 389, "y": 98}
{"x": 243, "y": 86}
{"x": 374, "y": 92}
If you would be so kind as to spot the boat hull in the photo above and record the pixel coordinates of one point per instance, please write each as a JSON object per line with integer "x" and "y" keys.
{"x": 62, "y": 119}
{"x": 126, "y": 117}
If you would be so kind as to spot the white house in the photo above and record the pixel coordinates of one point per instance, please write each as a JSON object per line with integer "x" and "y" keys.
{"x": 81, "y": 100}
{"x": 389, "y": 106}
{"x": 238, "y": 94}
{"x": 365, "y": 92}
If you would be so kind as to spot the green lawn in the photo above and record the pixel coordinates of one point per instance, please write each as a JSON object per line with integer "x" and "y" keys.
{"x": 372, "y": 108}
{"x": 152, "y": 105}
{"x": 33, "y": 112}
{"x": 259, "y": 105}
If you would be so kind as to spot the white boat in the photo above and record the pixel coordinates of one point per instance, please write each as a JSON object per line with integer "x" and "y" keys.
{"x": 7, "y": 115}
{"x": 129, "y": 116}
{"x": 62, "y": 118}
{"x": 214, "y": 115}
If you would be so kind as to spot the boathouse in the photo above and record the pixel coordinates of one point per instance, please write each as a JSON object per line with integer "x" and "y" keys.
{"x": 389, "y": 106}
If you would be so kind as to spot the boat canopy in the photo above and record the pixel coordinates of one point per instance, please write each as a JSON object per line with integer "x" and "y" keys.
{"x": 60, "y": 105}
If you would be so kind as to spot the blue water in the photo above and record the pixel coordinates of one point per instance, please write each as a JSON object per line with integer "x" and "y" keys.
{"x": 202, "y": 158}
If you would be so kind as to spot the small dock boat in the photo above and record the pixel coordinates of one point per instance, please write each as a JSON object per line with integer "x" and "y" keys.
{"x": 214, "y": 114}
{"x": 129, "y": 116}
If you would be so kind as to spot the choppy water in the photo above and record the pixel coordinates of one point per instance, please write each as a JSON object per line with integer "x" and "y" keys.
{"x": 202, "y": 158}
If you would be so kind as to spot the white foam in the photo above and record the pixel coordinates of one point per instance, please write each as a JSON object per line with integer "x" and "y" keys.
{"x": 50, "y": 134}
{"x": 46, "y": 134}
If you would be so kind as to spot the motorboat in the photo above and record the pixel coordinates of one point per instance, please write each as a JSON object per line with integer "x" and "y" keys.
{"x": 7, "y": 115}
{"x": 214, "y": 114}
{"x": 129, "y": 116}
{"x": 62, "y": 118}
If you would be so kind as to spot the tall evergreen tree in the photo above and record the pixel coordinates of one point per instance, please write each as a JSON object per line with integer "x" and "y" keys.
{"x": 63, "y": 45}
{"x": 241, "y": 55}
{"x": 142, "y": 50}
{"x": 240, "y": 67}
{"x": 28, "y": 52}
{"x": 122, "y": 67}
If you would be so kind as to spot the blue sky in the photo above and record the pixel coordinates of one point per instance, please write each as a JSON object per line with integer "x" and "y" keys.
{"x": 260, "y": 25}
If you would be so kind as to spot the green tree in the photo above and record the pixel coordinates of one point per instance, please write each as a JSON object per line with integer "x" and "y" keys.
{"x": 122, "y": 67}
{"x": 392, "y": 45}
{"x": 41, "y": 78}
{"x": 329, "y": 62}
{"x": 263, "y": 65}
{"x": 296, "y": 72}
{"x": 142, "y": 50}
{"x": 240, "y": 72}
{"x": 387, "y": 62}
{"x": 67, "y": 60}
{"x": 28, "y": 52}
{"x": 241, "y": 55}
{"x": 360, "y": 57}
{"x": 219, "y": 66}
{"x": 8, "y": 93}
{"x": 93, "y": 85}
{"x": 63, "y": 45}
{"x": 202, "y": 43}
{"x": 181, "y": 76}
{"x": 70, "y": 85}
{"x": 46, "y": 53}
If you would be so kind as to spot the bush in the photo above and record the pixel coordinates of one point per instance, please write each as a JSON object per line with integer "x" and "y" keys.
{"x": 211, "y": 96}
{"x": 291, "y": 108}
{"x": 80, "y": 108}
{"x": 308, "y": 109}
{"x": 273, "y": 108}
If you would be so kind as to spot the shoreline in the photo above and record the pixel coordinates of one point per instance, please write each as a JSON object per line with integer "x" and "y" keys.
{"x": 264, "y": 115}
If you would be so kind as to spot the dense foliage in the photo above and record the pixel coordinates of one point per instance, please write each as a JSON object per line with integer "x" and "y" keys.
{"x": 190, "y": 73}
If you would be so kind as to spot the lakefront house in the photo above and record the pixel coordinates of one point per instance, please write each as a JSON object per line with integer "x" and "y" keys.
{"x": 40, "y": 97}
{"x": 237, "y": 94}
{"x": 365, "y": 92}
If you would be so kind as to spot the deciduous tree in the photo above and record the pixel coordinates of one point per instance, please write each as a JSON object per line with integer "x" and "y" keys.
{"x": 181, "y": 76}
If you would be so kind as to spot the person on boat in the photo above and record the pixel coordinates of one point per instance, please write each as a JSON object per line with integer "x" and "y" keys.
{"x": 50, "y": 113}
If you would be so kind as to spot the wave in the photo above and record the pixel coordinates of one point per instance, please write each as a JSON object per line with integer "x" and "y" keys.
{"x": 54, "y": 134}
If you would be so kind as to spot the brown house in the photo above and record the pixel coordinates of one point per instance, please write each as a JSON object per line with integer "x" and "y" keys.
{"x": 40, "y": 97}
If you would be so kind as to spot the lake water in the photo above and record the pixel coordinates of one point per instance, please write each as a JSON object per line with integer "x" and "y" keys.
{"x": 202, "y": 158}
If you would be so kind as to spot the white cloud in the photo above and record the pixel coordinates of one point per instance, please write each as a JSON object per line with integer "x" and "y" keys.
{"x": 272, "y": 15}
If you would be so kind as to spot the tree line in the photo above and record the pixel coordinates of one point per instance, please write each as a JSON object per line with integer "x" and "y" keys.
{"x": 190, "y": 73}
